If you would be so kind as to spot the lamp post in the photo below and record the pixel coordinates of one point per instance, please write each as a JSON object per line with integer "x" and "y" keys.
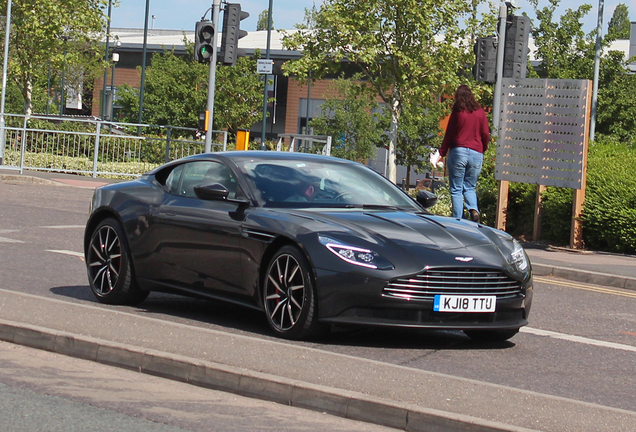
{"x": 267, "y": 53}
{"x": 143, "y": 68}
{"x": 103, "y": 101}
{"x": 115, "y": 58}
{"x": 62, "y": 95}
{"x": 7, "y": 33}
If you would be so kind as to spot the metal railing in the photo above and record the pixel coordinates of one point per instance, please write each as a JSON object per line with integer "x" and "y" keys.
{"x": 94, "y": 147}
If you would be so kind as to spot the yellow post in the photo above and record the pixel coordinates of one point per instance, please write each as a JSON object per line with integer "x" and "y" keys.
{"x": 242, "y": 139}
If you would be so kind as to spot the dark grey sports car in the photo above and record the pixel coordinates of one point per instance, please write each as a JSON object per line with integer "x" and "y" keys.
{"x": 310, "y": 240}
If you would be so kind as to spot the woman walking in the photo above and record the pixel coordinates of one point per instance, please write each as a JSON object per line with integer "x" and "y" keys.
{"x": 465, "y": 142}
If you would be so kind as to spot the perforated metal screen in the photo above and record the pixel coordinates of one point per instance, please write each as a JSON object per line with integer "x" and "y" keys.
{"x": 543, "y": 132}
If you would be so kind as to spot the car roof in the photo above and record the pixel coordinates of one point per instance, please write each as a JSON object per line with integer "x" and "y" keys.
{"x": 240, "y": 156}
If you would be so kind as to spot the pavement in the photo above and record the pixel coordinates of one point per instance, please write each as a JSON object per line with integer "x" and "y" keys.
{"x": 399, "y": 397}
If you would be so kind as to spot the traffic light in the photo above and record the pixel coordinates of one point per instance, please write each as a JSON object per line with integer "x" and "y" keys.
{"x": 203, "y": 41}
{"x": 485, "y": 59}
{"x": 231, "y": 33}
{"x": 516, "y": 47}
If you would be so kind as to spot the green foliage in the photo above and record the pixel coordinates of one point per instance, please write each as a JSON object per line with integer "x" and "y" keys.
{"x": 238, "y": 102}
{"x": 409, "y": 52}
{"x": 556, "y": 220}
{"x": 618, "y": 27}
{"x": 262, "y": 23}
{"x": 616, "y": 114}
{"x": 64, "y": 34}
{"x": 443, "y": 206}
{"x": 419, "y": 132}
{"x": 609, "y": 214}
{"x": 350, "y": 121}
{"x": 176, "y": 90}
{"x": 564, "y": 49}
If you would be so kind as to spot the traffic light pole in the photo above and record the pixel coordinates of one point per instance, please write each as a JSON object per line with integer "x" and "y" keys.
{"x": 496, "y": 102}
{"x": 265, "y": 92}
{"x": 503, "y": 187}
{"x": 216, "y": 11}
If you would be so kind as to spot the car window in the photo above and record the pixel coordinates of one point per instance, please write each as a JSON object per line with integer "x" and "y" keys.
{"x": 172, "y": 182}
{"x": 293, "y": 183}
{"x": 183, "y": 178}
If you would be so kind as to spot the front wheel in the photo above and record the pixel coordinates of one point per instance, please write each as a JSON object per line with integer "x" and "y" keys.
{"x": 491, "y": 335}
{"x": 109, "y": 267}
{"x": 288, "y": 295}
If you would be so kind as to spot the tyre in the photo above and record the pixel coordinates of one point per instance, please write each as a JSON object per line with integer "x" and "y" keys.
{"x": 109, "y": 267}
{"x": 491, "y": 335}
{"x": 289, "y": 297}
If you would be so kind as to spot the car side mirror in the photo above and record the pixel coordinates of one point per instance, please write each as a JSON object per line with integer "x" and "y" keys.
{"x": 426, "y": 198}
{"x": 214, "y": 191}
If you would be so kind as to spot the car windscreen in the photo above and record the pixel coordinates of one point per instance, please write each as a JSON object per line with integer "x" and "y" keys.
{"x": 301, "y": 183}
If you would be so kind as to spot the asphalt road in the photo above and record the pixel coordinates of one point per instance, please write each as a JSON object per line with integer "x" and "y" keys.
{"x": 580, "y": 345}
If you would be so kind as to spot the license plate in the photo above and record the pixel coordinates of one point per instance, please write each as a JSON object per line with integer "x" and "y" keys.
{"x": 456, "y": 303}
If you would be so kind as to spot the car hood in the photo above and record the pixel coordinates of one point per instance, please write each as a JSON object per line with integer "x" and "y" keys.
{"x": 403, "y": 228}
{"x": 411, "y": 237}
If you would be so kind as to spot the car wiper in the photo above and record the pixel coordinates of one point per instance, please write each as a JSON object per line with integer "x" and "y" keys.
{"x": 379, "y": 206}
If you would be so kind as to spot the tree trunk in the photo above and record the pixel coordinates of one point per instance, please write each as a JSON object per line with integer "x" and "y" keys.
{"x": 28, "y": 94}
{"x": 393, "y": 131}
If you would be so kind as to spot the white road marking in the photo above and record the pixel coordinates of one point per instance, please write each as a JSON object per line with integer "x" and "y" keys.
{"x": 67, "y": 252}
{"x": 7, "y": 231}
{"x": 8, "y": 240}
{"x": 64, "y": 226}
{"x": 577, "y": 339}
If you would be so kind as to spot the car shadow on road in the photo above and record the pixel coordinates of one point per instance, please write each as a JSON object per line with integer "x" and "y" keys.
{"x": 240, "y": 319}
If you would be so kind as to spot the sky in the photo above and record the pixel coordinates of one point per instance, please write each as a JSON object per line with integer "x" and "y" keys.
{"x": 182, "y": 14}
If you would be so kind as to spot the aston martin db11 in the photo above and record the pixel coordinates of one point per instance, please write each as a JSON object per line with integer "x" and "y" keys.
{"x": 309, "y": 240}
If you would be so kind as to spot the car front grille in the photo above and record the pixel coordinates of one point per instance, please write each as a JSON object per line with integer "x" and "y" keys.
{"x": 452, "y": 281}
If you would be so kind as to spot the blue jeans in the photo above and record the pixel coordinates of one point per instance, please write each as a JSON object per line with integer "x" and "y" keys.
{"x": 464, "y": 166}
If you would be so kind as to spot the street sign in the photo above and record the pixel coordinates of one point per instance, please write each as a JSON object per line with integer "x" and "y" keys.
{"x": 264, "y": 66}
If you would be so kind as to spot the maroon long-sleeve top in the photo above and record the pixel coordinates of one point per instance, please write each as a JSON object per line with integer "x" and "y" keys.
{"x": 466, "y": 129}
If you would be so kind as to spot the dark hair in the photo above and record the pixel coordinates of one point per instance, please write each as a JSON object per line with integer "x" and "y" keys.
{"x": 465, "y": 100}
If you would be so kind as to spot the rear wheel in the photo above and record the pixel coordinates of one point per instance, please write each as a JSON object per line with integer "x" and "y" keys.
{"x": 109, "y": 266}
{"x": 288, "y": 295}
{"x": 491, "y": 335}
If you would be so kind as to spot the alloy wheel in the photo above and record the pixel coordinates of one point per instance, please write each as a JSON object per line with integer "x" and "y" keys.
{"x": 284, "y": 292}
{"x": 105, "y": 260}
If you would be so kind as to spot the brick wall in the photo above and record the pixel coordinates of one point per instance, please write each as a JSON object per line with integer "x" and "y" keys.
{"x": 296, "y": 90}
{"x": 123, "y": 76}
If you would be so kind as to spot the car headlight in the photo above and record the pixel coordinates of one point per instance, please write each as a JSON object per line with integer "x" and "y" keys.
{"x": 518, "y": 258}
{"x": 355, "y": 255}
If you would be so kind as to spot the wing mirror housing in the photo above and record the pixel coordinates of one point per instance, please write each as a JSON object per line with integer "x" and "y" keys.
{"x": 214, "y": 191}
{"x": 217, "y": 192}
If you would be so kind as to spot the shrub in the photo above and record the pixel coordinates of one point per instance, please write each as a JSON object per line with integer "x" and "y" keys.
{"x": 609, "y": 215}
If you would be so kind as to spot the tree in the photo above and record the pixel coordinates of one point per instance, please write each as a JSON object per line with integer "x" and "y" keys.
{"x": 64, "y": 34}
{"x": 618, "y": 27}
{"x": 262, "y": 23}
{"x": 408, "y": 51}
{"x": 567, "y": 52}
{"x": 616, "y": 113}
{"x": 175, "y": 92}
{"x": 176, "y": 89}
{"x": 239, "y": 95}
{"x": 350, "y": 120}
{"x": 564, "y": 49}
{"x": 419, "y": 134}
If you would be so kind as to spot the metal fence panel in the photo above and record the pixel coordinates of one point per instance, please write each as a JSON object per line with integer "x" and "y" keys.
{"x": 543, "y": 132}
{"x": 93, "y": 147}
